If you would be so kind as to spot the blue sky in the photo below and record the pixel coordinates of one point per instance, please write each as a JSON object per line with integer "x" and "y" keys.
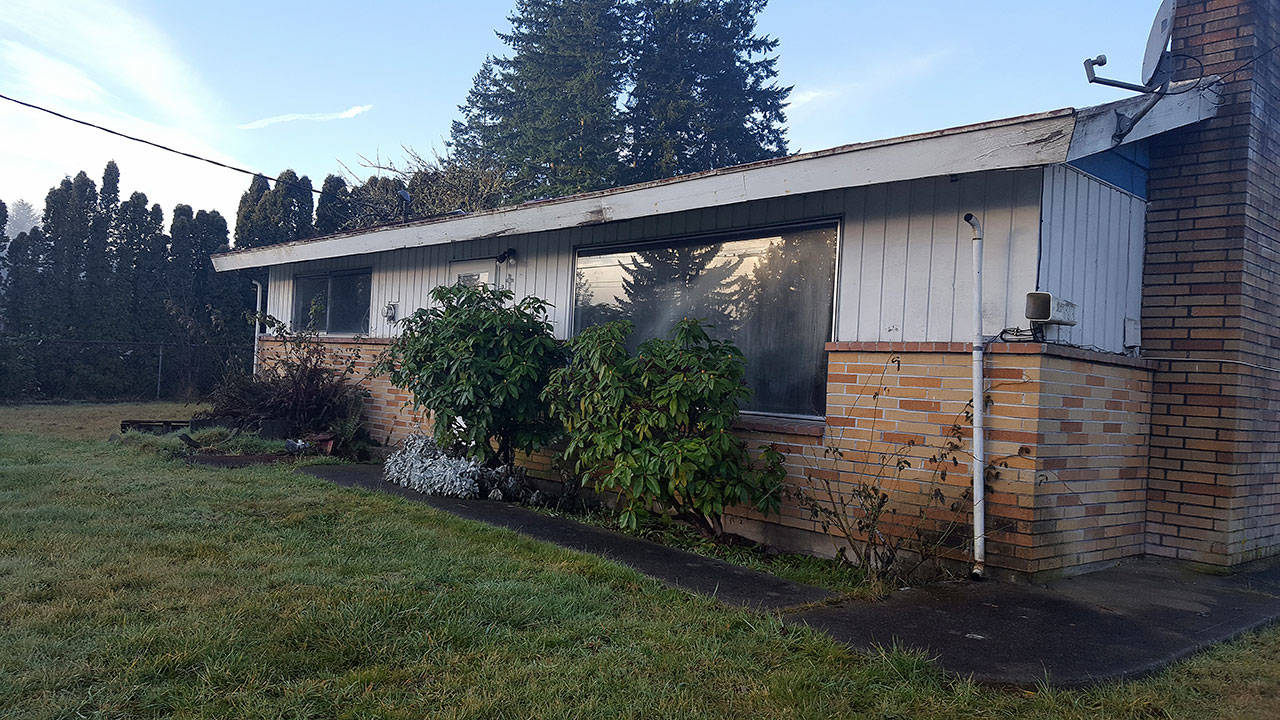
{"x": 317, "y": 84}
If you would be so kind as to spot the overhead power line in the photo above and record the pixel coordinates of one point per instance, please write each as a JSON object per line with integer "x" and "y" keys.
{"x": 159, "y": 146}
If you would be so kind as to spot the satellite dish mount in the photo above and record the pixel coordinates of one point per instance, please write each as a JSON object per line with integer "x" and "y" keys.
{"x": 1157, "y": 70}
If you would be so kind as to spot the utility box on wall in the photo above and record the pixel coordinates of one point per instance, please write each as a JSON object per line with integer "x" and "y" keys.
{"x": 1044, "y": 308}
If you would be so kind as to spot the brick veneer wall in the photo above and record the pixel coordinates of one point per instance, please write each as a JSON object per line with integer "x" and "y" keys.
{"x": 1211, "y": 298}
{"x": 1067, "y": 435}
{"x": 386, "y": 416}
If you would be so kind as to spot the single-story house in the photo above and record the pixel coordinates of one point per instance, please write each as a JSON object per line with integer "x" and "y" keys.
{"x": 1128, "y": 294}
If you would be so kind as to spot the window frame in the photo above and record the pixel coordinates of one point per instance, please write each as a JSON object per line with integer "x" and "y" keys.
{"x": 329, "y": 275}
{"x": 721, "y": 236}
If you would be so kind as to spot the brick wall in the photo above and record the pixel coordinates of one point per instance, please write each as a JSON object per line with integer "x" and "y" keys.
{"x": 1066, "y": 437}
{"x": 386, "y": 416}
{"x": 1211, "y": 297}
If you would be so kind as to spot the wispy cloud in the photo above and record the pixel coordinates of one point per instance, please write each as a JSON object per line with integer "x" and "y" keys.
{"x": 106, "y": 63}
{"x": 34, "y": 72}
{"x": 312, "y": 117}
{"x": 800, "y": 98}
{"x": 885, "y": 77}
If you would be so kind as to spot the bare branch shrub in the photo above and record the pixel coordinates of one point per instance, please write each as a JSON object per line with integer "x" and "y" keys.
{"x": 848, "y": 492}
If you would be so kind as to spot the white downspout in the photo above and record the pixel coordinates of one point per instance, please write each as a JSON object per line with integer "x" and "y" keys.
{"x": 257, "y": 322}
{"x": 979, "y": 408}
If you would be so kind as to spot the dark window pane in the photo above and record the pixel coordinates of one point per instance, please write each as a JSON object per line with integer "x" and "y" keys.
{"x": 772, "y": 295}
{"x": 310, "y": 302}
{"x": 349, "y": 311}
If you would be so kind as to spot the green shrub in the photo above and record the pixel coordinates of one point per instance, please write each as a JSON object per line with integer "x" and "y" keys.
{"x": 478, "y": 361}
{"x": 656, "y": 427}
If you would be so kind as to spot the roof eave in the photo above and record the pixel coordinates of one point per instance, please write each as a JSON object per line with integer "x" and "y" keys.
{"x": 1027, "y": 141}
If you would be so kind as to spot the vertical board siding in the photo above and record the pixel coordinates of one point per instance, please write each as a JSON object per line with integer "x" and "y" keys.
{"x": 1091, "y": 255}
{"x": 903, "y": 267}
{"x": 906, "y": 258}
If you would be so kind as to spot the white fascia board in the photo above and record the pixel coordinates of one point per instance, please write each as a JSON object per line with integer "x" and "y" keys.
{"x": 1022, "y": 142}
{"x": 1030, "y": 141}
{"x": 1184, "y": 104}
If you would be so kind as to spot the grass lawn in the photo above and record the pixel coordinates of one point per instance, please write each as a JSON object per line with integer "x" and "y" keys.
{"x": 135, "y": 586}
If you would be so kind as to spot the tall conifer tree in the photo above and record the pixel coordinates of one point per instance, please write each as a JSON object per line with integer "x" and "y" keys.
{"x": 4, "y": 243}
{"x": 704, "y": 92}
{"x": 22, "y": 217}
{"x": 276, "y": 214}
{"x": 548, "y": 113}
{"x": 68, "y": 214}
{"x": 333, "y": 209}
{"x": 185, "y": 260}
{"x": 99, "y": 318}
{"x": 21, "y": 298}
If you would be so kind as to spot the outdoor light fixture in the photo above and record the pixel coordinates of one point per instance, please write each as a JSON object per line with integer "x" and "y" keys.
{"x": 506, "y": 255}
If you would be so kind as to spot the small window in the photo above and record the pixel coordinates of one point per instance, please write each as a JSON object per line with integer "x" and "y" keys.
{"x": 336, "y": 303}
{"x": 770, "y": 292}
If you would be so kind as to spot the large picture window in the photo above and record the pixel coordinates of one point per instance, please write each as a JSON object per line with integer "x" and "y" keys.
{"x": 336, "y": 302}
{"x": 770, "y": 292}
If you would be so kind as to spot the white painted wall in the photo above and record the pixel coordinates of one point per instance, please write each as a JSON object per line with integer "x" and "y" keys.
{"x": 1092, "y": 236}
{"x": 904, "y": 271}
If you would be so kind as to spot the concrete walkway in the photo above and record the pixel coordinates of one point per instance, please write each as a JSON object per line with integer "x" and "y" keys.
{"x": 1118, "y": 623}
{"x": 1123, "y": 622}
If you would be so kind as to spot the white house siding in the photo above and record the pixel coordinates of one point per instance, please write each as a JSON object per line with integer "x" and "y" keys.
{"x": 906, "y": 266}
{"x": 904, "y": 271}
{"x": 1091, "y": 254}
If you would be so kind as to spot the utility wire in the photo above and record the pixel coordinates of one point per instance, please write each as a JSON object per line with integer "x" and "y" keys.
{"x": 1252, "y": 60}
{"x": 323, "y": 193}
{"x": 157, "y": 145}
{"x": 320, "y": 192}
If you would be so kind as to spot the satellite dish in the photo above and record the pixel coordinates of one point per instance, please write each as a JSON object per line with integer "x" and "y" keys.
{"x": 1155, "y": 62}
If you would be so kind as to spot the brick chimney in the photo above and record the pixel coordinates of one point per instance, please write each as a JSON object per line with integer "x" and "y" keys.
{"x": 1211, "y": 297}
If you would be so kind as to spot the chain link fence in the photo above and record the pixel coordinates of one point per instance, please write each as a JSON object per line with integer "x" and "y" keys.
{"x": 37, "y": 368}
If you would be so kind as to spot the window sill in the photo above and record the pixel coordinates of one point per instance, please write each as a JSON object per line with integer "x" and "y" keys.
{"x": 804, "y": 427}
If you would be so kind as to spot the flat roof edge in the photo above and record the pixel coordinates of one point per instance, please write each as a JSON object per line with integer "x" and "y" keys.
{"x": 1024, "y": 141}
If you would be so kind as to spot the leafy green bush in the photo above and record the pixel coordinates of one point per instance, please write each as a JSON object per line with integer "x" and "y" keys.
{"x": 478, "y": 361}
{"x": 300, "y": 389}
{"x": 656, "y": 428}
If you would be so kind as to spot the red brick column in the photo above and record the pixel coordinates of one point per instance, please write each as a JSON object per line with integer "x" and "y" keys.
{"x": 1211, "y": 295}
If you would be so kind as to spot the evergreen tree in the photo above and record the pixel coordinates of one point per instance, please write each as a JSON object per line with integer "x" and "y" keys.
{"x": 220, "y": 299}
{"x": 99, "y": 319}
{"x": 289, "y": 208}
{"x": 4, "y": 242}
{"x": 68, "y": 213}
{"x": 185, "y": 260}
{"x": 703, "y": 91}
{"x": 377, "y": 201}
{"x": 279, "y": 214}
{"x": 548, "y": 114}
{"x": 22, "y": 217}
{"x": 106, "y": 271}
{"x": 139, "y": 265}
{"x": 333, "y": 209}
{"x": 22, "y": 286}
{"x": 4, "y": 253}
{"x": 149, "y": 291}
{"x": 247, "y": 231}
